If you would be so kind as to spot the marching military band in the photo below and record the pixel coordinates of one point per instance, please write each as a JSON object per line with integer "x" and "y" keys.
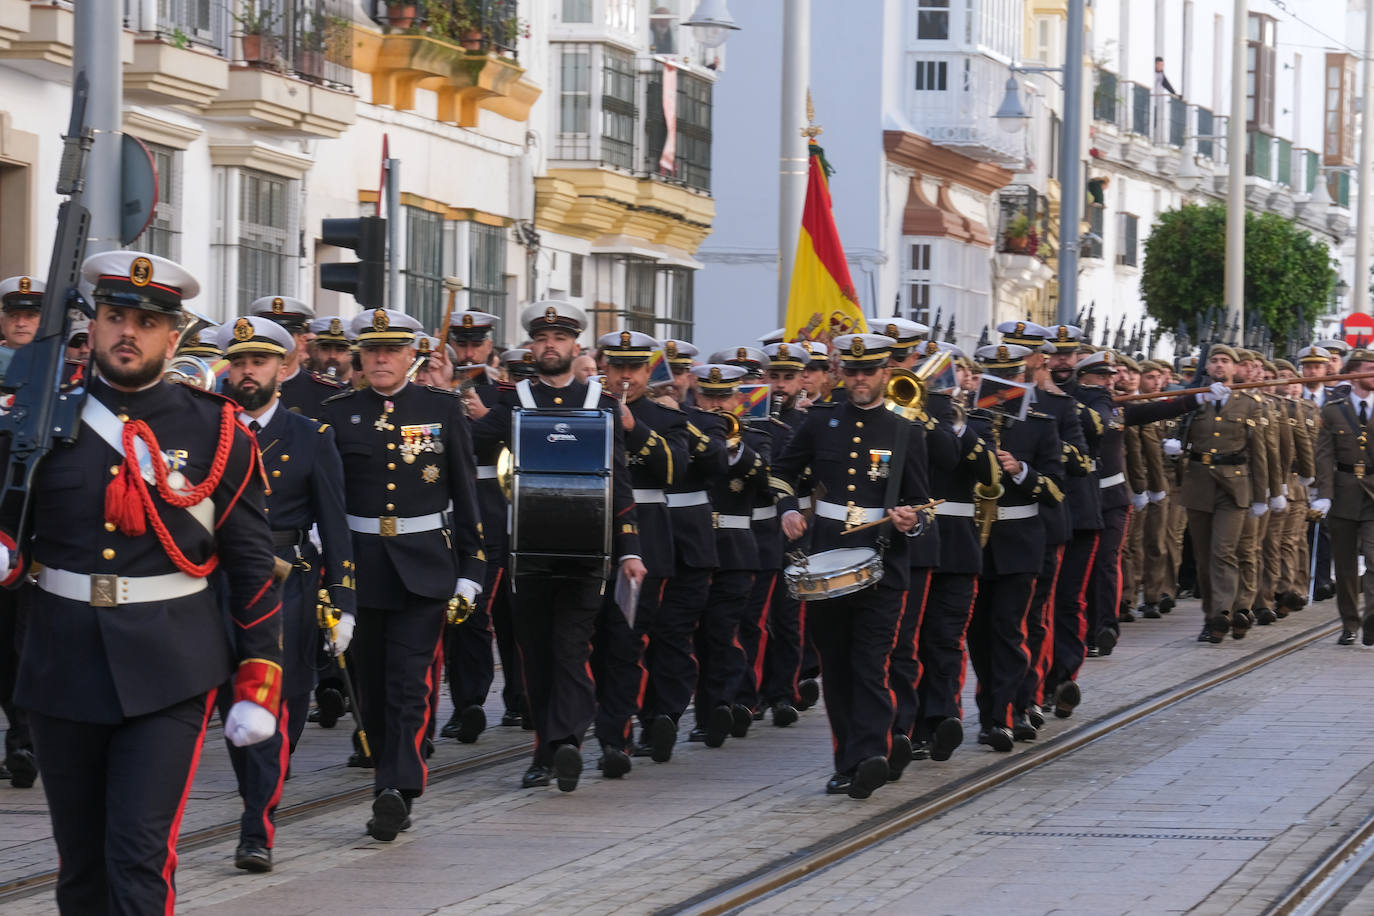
{"x": 367, "y": 512}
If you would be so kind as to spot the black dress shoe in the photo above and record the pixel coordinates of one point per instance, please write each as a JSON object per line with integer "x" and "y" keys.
{"x": 758, "y": 714}
{"x": 1218, "y": 627}
{"x": 251, "y": 857}
{"x": 1021, "y": 728}
{"x": 949, "y": 734}
{"x": 614, "y": 762}
{"x": 4, "y": 772}
{"x": 898, "y": 757}
{"x": 537, "y": 775}
{"x": 869, "y": 775}
{"x": 472, "y": 721}
{"x": 997, "y": 737}
{"x": 331, "y": 706}
{"x": 784, "y": 714}
{"x": 427, "y": 748}
{"x": 1366, "y": 633}
{"x": 1323, "y": 592}
{"x": 313, "y": 715}
{"x": 1347, "y": 638}
{"x": 1281, "y": 611}
{"x": 1264, "y": 616}
{"x": 1036, "y": 716}
{"x": 359, "y": 760}
{"x": 1206, "y": 634}
{"x": 661, "y": 736}
{"x": 697, "y": 735}
{"x": 388, "y": 816}
{"x": 450, "y": 729}
{"x": 1166, "y": 603}
{"x": 808, "y": 692}
{"x": 718, "y": 725}
{"x": 1291, "y": 601}
{"x": 1067, "y": 696}
{"x": 1106, "y": 642}
{"x": 1124, "y": 615}
{"x": 1240, "y": 624}
{"x": 511, "y": 719}
{"x": 743, "y": 717}
{"x": 1092, "y": 652}
{"x": 567, "y": 767}
{"x": 1150, "y": 611}
{"x": 920, "y": 749}
{"x": 23, "y": 768}
{"x": 838, "y": 784}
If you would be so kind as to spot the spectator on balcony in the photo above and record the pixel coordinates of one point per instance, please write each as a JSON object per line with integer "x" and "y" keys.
{"x": 1097, "y": 189}
{"x": 1162, "y": 81}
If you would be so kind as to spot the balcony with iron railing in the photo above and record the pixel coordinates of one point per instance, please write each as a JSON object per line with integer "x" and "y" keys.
{"x": 465, "y": 51}
{"x": 1023, "y": 226}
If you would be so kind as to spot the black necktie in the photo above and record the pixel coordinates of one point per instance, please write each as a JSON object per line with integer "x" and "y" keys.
{"x": 255, "y": 426}
{"x": 1364, "y": 413}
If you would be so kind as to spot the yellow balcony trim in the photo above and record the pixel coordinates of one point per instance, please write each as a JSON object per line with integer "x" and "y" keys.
{"x": 465, "y": 82}
{"x": 457, "y": 214}
{"x": 592, "y": 203}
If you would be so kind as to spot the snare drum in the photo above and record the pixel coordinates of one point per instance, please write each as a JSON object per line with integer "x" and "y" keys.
{"x": 832, "y": 573}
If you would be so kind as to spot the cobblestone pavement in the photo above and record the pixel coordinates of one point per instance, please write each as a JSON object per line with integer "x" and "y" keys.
{"x": 1220, "y": 801}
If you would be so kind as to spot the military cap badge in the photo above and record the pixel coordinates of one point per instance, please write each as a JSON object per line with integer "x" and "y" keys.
{"x": 141, "y": 272}
{"x": 379, "y": 320}
{"x": 243, "y": 330}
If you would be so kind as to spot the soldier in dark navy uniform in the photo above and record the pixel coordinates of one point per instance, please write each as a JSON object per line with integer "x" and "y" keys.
{"x": 21, "y": 299}
{"x": 656, "y": 449}
{"x": 301, "y": 391}
{"x": 670, "y": 656}
{"x": 305, "y": 481}
{"x": 1058, "y": 517}
{"x": 959, "y": 461}
{"x": 1032, "y": 470}
{"x": 467, "y": 645}
{"x": 555, "y": 606}
{"x": 872, "y": 465}
{"x": 126, "y": 641}
{"x": 412, "y": 507}
{"x": 680, "y": 355}
{"x": 721, "y": 660}
{"x": 330, "y": 349}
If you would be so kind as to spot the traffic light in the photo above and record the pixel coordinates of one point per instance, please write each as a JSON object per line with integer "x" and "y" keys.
{"x": 363, "y": 279}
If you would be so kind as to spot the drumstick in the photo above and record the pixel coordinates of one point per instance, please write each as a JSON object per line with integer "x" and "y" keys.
{"x": 886, "y": 518}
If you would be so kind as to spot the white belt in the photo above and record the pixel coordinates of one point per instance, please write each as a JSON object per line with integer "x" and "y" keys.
{"x": 803, "y": 503}
{"x": 730, "y": 521}
{"x": 1112, "y": 481}
{"x": 1009, "y": 512}
{"x": 680, "y": 500}
{"x": 842, "y": 513}
{"x": 101, "y": 590}
{"x": 486, "y": 472}
{"x": 390, "y": 525}
{"x": 765, "y": 513}
{"x": 650, "y": 496}
{"x": 959, "y": 510}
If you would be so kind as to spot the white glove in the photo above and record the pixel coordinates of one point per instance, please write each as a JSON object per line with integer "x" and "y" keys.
{"x": 4, "y": 561}
{"x": 1139, "y": 500}
{"x": 1220, "y": 392}
{"x": 1278, "y": 503}
{"x": 248, "y": 723}
{"x": 1321, "y": 505}
{"x": 1158, "y": 496}
{"x": 467, "y": 590}
{"x": 1259, "y": 508}
{"x": 343, "y": 632}
{"x": 1173, "y": 448}
{"x": 1306, "y": 481}
{"x": 314, "y": 536}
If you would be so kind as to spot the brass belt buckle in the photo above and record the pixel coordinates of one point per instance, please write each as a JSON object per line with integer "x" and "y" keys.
{"x": 387, "y": 526}
{"x": 715, "y": 519}
{"x": 1359, "y": 472}
{"x": 104, "y": 590}
{"x": 1207, "y": 458}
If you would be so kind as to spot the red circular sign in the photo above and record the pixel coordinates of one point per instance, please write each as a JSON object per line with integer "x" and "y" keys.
{"x": 1358, "y": 329}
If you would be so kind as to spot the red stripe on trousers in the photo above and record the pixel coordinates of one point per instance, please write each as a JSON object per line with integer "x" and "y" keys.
{"x": 283, "y": 761}
{"x": 169, "y": 867}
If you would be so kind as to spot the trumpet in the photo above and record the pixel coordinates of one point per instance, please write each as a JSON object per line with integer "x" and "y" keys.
{"x": 905, "y": 394}
{"x": 732, "y": 428}
{"x": 190, "y": 370}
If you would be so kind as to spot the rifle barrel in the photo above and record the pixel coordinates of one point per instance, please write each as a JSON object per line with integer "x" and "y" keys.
{"x": 1268, "y": 383}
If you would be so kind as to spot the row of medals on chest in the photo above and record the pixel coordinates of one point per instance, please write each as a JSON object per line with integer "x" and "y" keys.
{"x": 416, "y": 439}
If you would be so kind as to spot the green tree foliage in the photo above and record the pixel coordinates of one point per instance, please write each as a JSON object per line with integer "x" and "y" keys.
{"x": 1185, "y": 269}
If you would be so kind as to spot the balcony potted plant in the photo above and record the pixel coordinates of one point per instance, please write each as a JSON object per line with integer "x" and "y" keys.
{"x": 1016, "y": 237}
{"x": 311, "y": 60}
{"x": 400, "y": 14}
{"x": 255, "y": 23}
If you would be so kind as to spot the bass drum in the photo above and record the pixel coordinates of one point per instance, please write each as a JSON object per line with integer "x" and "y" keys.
{"x": 833, "y": 573}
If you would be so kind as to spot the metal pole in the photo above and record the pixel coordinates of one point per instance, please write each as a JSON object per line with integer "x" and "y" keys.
{"x": 96, "y": 49}
{"x": 792, "y": 154}
{"x": 394, "y": 299}
{"x": 1235, "y": 179}
{"x": 1070, "y": 173}
{"x": 1359, "y": 288}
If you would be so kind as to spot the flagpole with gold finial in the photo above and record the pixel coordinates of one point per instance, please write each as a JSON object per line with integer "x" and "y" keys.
{"x": 792, "y": 154}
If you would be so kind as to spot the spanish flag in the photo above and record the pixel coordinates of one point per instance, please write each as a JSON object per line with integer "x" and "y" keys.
{"x": 821, "y": 302}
